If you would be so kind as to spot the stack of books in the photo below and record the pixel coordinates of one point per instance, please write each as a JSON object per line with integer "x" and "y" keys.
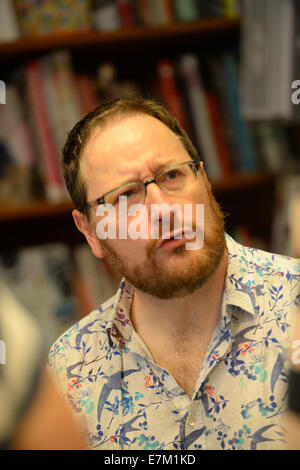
{"x": 19, "y": 18}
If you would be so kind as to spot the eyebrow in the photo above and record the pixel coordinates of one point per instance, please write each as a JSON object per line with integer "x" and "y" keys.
{"x": 156, "y": 169}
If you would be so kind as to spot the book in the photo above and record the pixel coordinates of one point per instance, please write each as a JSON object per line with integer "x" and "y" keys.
{"x": 54, "y": 186}
{"x": 206, "y": 9}
{"x": 160, "y": 12}
{"x": 67, "y": 95}
{"x": 186, "y": 10}
{"x": 9, "y": 29}
{"x": 125, "y": 13}
{"x": 170, "y": 93}
{"x": 43, "y": 17}
{"x": 267, "y": 64}
{"x": 229, "y": 8}
{"x": 217, "y": 80}
{"x": 189, "y": 66}
{"x": 105, "y": 15}
{"x": 246, "y": 152}
{"x": 142, "y": 9}
{"x": 86, "y": 86}
{"x": 218, "y": 133}
{"x": 20, "y": 148}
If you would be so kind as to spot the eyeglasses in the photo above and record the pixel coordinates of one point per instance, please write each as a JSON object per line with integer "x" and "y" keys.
{"x": 174, "y": 178}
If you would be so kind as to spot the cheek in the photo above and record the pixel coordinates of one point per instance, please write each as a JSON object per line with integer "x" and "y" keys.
{"x": 126, "y": 249}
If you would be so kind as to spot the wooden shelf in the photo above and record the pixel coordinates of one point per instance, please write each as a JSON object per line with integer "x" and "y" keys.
{"x": 44, "y": 209}
{"x": 243, "y": 181}
{"x": 141, "y": 35}
{"x": 35, "y": 209}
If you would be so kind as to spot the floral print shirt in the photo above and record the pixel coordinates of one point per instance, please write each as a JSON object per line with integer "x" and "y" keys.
{"x": 129, "y": 402}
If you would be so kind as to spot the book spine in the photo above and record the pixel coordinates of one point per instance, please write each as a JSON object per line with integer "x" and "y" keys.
{"x": 143, "y": 7}
{"x": 186, "y": 10}
{"x": 159, "y": 12}
{"x": 125, "y": 13}
{"x": 106, "y": 17}
{"x": 87, "y": 92}
{"x": 217, "y": 80}
{"x": 205, "y": 140}
{"x": 170, "y": 93}
{"x": 66, "y": 91}
{"x": 230, "y": 8}
{"x": 245, "y": 147}
{"x": 218, "y": 132}
{"x": 9, "y": 30}
{"x": 53, "y": 183}
{"x": 209, "y": 9}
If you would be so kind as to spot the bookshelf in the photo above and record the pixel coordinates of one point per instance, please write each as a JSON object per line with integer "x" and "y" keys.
{"x": 246, "y": 198}
{"x": 41, "y": 221}
{"x": 134, "y": 37}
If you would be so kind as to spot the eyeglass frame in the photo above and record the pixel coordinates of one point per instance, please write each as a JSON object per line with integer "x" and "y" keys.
{"x": 100, "y": 200}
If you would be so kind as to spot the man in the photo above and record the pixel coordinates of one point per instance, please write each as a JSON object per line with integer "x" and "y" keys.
{"x": 189, "y": 354}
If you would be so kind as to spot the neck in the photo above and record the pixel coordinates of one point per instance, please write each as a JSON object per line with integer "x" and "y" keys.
{"x": 196, "y": 315}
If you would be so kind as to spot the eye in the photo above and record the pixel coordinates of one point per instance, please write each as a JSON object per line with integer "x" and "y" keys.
{"x": 127, "y": 193}
{"x": 130, "y": 193}
{"x": 171, "y": 175}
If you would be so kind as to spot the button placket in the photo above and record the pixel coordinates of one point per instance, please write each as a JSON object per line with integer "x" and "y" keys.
{"x": 191, "y": 418}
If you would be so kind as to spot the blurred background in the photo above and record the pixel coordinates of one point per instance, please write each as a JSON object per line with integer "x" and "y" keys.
{"x": 227, "y": 69}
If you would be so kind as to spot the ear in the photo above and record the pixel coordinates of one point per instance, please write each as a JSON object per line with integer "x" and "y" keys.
{"x": 84, "y": 226}
{"x": 205, "y": 175}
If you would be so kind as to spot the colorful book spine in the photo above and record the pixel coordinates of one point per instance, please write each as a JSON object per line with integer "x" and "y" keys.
{"x": 186, "y": 10}
{"x": 160, "y": 12}
{"x": 170, "y": 93}
{"x": 126, "y": 13}
{"x": 246, "y": 153}
{"x": 54, "y": 185}
{"x": 204, "y": 135}
{"x": 218, "y": 133}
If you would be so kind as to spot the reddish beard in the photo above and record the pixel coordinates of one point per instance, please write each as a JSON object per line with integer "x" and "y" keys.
{"x": 162, "y": 280}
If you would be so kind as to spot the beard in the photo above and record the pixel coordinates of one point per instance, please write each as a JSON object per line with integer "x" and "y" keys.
{"x": 164, "y": 280}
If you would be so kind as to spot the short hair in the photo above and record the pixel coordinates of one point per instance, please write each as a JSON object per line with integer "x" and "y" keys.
{"x": 79, "y": 135}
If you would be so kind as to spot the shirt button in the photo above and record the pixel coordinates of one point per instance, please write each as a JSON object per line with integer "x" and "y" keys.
{"x": 191, "y": 420}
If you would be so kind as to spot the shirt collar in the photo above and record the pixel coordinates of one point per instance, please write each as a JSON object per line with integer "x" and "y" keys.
{"x": 239, "y": 292}
{"x": 241, "y": 286}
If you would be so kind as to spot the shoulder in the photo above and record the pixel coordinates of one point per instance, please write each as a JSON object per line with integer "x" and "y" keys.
{"x": 263, "y": 262}
{"x": 266, "y": 263}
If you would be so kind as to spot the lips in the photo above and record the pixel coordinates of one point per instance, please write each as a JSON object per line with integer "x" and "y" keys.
{"x": 171, "y": 242}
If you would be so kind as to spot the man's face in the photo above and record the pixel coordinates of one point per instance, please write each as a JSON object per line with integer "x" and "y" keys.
{"x": 135, "y": 148}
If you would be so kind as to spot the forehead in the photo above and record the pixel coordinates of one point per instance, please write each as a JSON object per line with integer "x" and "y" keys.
{"x": 127, "y": 148}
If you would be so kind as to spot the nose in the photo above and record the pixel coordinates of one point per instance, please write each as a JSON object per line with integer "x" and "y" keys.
{"x": 161, "y": 218}
{"x": 155, "y": 195}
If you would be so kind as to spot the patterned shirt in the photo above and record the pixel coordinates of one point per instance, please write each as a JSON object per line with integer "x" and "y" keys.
{"x": 130, "y": 402}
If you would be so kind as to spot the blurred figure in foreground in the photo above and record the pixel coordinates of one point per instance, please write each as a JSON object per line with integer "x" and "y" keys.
{"x": 33, "y": 414}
